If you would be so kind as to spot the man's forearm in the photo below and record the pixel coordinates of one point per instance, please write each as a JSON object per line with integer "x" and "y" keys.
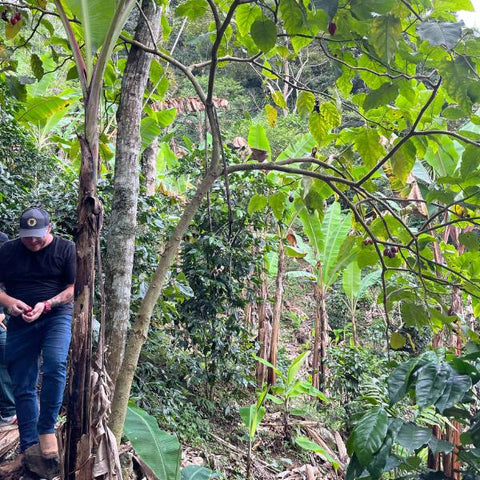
{"x": 64, "y": 297}
{"x": 5, "y": 300}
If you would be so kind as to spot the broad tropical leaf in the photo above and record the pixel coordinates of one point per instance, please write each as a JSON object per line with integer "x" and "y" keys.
{"x": 300, "y": 147}
{"x": 196, "y": 472}
{"x": 307, "y": 444}
{"x": 369, "y": 434}
{"x": 38, "y": 110}
{"x": 257, "y": 138}
{"x": 257, "y": 202}
{"x": 367, "y": 144}
{"x": 158, "y": 449}
{"x": 431, "y": 383}
{"x": 351, "y": 280}
{"x": 441, "y": 33}
{"x": 252, "y": 416}
{"x": 335, "y": 228}
{"x": 412, "y": 436}
{"x": 312, "y": 228}
{"x": 96, "y": 18}
{"x": 295, "y": 366}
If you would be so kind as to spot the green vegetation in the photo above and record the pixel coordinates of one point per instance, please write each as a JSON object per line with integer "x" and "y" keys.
{"x": 289, "y": 194}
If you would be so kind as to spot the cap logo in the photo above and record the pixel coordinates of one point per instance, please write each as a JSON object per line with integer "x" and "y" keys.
{"x": 32, "y": 222}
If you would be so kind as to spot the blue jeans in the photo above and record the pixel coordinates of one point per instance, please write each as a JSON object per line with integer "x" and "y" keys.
{"x": 49, "y": 338}
{"x": 7, "y": 402}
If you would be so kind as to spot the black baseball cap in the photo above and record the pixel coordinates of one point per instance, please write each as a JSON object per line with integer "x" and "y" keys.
{"x": 34, "y": 222}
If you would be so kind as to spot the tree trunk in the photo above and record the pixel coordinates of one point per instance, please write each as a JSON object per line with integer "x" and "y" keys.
{"x": 149, "y": 167}
{"x": 123, "y": 218}
{"x": 78, "y": 460}
{"x": 262, "y": 330}
{"x": 139, "y": 331}
{"x": 451, "y": 462}
{"x": 277, "y": 313}
{"x": 320, "y": 342}
{"x": 140, "y": 328}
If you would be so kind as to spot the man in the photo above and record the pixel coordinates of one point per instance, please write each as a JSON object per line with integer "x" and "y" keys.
{"x": 7, "y": 403}
{"x": 37, "y": 271}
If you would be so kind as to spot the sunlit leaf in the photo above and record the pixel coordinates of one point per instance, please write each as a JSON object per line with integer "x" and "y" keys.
{"x": 386, "y": 31}
{"x": 305, "y": 103}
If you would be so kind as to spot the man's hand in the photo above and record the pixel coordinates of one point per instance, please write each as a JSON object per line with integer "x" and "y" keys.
{"x": 17, "y": 307}
{"x": 32, "y": 315}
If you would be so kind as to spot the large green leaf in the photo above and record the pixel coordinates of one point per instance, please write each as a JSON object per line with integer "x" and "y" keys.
{"x": 307, "y": 444}
{"x": 431, "y": 383}
{"x": 264, "y": 33}
{"x": 153, "y": 126}
{"x": 351, "y": 280}
{"x": 257, "y": 138}
{"x": 192, "y": 9}
{"x": 158, "y": 449}
{"x": 455, "y": 389}
{"x": 312, "y": 228}
{"x": 96, "y": 18}
{"x": 470, "y": 161}
{"x": 412, "y": 436}
{"x": 305, "y": 103}
{"x": 369, "y": 434}
{"x": 252, "y": 416}
{"x": 317, "y": 127}
{"x": 38, "y": 110}
{"x": 403, "y": 161}
{"x": 377, "y": 466}
{"x": 295, "y": 366}
{"x": 383, "y": 95}
{"x": 367, "y": 143}
{"x": 257, "y": 202}
{"x": 441, "y": 33}
{"x": 386, "y": 31}
{"x": 300, "y": 147}
{"x": 453, "y": 5}
{"x": 277, "y": 204}
{"x": 245, "y": 15}
{"x": 196, "y": 472}
{"x": 330, "y": 115}
{"x": 458, "y": 81}
{"x": 335, "y": 228}
{"x": 398, "y": 380}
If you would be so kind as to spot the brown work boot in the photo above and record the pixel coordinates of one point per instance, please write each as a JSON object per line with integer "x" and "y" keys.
{"x": 35, "y": 462}
{"x": 49, "y": 445}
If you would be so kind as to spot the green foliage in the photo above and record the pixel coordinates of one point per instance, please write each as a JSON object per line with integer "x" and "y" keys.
{"x": 26, "y": 179}
{"x": 158, "y": 449}
{"x": 431, "y": 379}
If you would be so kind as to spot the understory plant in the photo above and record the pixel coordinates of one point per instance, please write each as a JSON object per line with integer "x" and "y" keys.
{"x": 385, "y": 440}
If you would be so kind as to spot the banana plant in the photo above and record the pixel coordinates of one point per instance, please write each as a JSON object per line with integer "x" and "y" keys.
{"x": 292, "y": 385}
{"x": 252, "y": 416}
{"x": 328, "y": 252}
{"x": 355, "y": 286}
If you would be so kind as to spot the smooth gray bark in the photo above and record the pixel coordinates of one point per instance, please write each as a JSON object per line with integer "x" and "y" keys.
{"x": 123, "y": 218}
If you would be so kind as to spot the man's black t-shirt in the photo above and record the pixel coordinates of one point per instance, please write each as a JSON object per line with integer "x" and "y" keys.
{"x": 34, "y": 277}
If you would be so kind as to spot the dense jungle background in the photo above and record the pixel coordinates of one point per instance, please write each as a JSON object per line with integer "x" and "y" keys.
{"x": 276, "y": 207}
